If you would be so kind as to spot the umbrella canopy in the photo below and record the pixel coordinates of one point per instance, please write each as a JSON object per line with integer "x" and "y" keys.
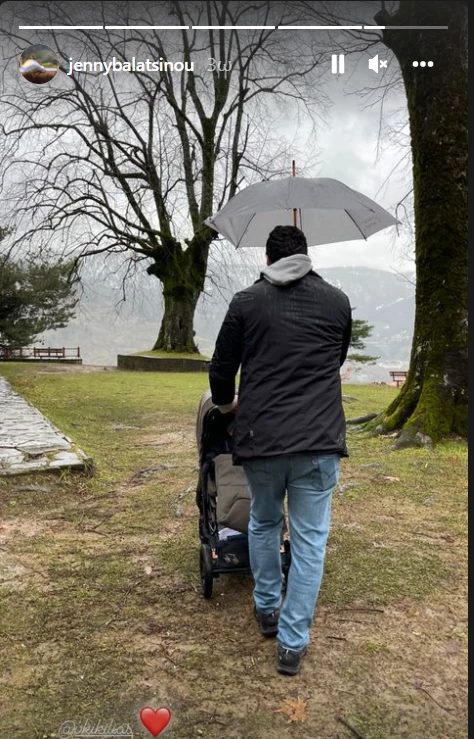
{"x": 327, "y": 212}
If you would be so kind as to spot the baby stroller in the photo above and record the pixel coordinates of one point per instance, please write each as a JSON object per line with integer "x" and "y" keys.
{"x": 223, "y": 499}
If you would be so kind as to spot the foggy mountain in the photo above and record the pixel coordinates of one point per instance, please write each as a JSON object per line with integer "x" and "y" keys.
{"x": 106, "y": 325}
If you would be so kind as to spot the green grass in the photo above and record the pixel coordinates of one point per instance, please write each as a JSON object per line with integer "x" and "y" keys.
{"x": 100, "y": 609}
{"x": 104, "y": 412}
{"x": 363, "y": 399}
{"x": 356, "y": 569}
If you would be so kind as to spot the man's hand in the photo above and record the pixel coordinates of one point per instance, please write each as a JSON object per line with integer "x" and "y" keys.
{"x": 230, "y": 408}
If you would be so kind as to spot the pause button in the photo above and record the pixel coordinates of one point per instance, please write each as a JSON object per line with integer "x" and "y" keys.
{"x": 337, "y": 64}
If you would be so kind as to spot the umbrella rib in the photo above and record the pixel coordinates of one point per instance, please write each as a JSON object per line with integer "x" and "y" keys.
{"x": 245, "y": 230}
{"x": 356, "y": 225}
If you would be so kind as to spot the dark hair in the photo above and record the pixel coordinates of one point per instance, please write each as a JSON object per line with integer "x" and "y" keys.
{"x": 284, "y": 241}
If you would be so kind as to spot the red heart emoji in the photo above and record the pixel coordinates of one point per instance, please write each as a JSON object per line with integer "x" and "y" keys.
{"x": 155, "y": 721}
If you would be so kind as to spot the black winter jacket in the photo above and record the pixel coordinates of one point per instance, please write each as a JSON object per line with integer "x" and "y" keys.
{"x": 290, "y": 342}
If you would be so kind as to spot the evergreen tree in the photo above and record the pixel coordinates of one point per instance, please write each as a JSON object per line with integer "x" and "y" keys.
{"x": 361, "y": 330}
{"x": 34, "y": 298}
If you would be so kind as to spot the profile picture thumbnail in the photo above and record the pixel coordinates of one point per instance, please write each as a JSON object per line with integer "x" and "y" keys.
{"x": 39, "y": 64}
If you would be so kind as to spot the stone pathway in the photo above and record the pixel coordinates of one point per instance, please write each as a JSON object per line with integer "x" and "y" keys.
{"x": 29, "y": 442}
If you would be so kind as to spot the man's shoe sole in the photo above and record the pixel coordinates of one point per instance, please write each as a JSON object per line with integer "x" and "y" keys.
{"x": 288, "y": 671}
{"x": 291, "y": 671}
{"x": 269, "y": 633}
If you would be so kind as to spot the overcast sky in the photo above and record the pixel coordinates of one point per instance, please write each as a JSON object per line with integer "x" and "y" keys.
{"x": 355, "y": 151}
{"x": 352, "y": 148}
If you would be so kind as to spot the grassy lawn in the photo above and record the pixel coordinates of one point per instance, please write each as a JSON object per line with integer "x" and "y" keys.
{"x": 100, "y": 610}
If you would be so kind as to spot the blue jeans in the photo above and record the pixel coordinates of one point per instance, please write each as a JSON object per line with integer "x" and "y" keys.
{"x": 309, "y": 480}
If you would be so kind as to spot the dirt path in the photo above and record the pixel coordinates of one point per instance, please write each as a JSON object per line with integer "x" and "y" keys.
{"x": 101, "y": 613}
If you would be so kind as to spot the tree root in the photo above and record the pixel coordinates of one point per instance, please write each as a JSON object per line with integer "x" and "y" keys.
{"x": 361, "y": 419}
{"x": 411, "y": 438}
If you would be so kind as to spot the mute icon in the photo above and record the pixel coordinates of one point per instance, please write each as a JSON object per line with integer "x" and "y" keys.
{"x": 375, "y": 64}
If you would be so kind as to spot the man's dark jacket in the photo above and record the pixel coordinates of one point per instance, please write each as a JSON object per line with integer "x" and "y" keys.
{"x": 290, "y": 342}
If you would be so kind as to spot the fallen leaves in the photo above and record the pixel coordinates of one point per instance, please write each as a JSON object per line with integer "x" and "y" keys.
{"x": 294, "y": 709}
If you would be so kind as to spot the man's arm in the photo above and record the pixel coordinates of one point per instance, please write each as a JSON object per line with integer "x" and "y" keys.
{"x": 226, "y": 359}
{"x": 346, "y": 338}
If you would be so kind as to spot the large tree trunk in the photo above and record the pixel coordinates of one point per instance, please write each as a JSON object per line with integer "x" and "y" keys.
{"x": 433, "y": 402}
{"x": 182, "y": 272}
{"x": 176, "y": 331}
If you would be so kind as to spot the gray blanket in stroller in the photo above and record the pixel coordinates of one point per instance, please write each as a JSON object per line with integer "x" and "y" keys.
{"x": 233, "y": 495}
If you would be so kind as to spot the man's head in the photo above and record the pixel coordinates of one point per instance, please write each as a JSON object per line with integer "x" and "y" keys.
{"x": 284, "y": 241}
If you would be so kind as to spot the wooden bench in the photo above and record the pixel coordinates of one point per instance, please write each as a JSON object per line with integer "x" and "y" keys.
{"x": 398, "y": 376}
{"x": 71, "y": 355}
{"x": 50, "y": 352}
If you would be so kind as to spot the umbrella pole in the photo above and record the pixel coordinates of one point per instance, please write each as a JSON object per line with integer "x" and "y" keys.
{"x": 294, "y": 175}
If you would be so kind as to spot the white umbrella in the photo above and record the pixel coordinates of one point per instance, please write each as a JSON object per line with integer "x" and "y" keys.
{"x": 326, "y": 210}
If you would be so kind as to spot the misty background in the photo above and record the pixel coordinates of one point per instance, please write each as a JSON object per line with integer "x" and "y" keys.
{"x": 361, "y": 138}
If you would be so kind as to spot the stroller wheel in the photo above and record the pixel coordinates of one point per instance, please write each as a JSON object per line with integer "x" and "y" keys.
{"x": 205, "y": 566}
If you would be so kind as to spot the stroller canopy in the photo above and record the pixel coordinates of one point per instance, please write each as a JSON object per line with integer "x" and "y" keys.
{"x": 205, "y": 406}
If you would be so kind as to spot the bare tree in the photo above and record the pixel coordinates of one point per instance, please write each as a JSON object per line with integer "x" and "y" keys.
{"x": 134, "y": 163}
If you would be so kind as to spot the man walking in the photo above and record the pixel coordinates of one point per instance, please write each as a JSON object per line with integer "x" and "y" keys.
{"x": 289, "y": 332}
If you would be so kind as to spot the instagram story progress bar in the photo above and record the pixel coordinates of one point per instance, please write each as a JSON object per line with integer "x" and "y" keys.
{"x": 236, "y": 28}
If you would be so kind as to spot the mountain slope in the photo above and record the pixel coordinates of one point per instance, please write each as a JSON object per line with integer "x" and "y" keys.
{"x": 105, "y": 326}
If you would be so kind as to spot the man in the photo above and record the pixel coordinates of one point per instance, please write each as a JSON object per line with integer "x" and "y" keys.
{"x": 289, "y": 332}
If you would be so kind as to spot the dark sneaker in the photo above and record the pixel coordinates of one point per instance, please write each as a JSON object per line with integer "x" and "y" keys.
{"x": 289, "y": 660}
{"x": 268, "y": 622}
